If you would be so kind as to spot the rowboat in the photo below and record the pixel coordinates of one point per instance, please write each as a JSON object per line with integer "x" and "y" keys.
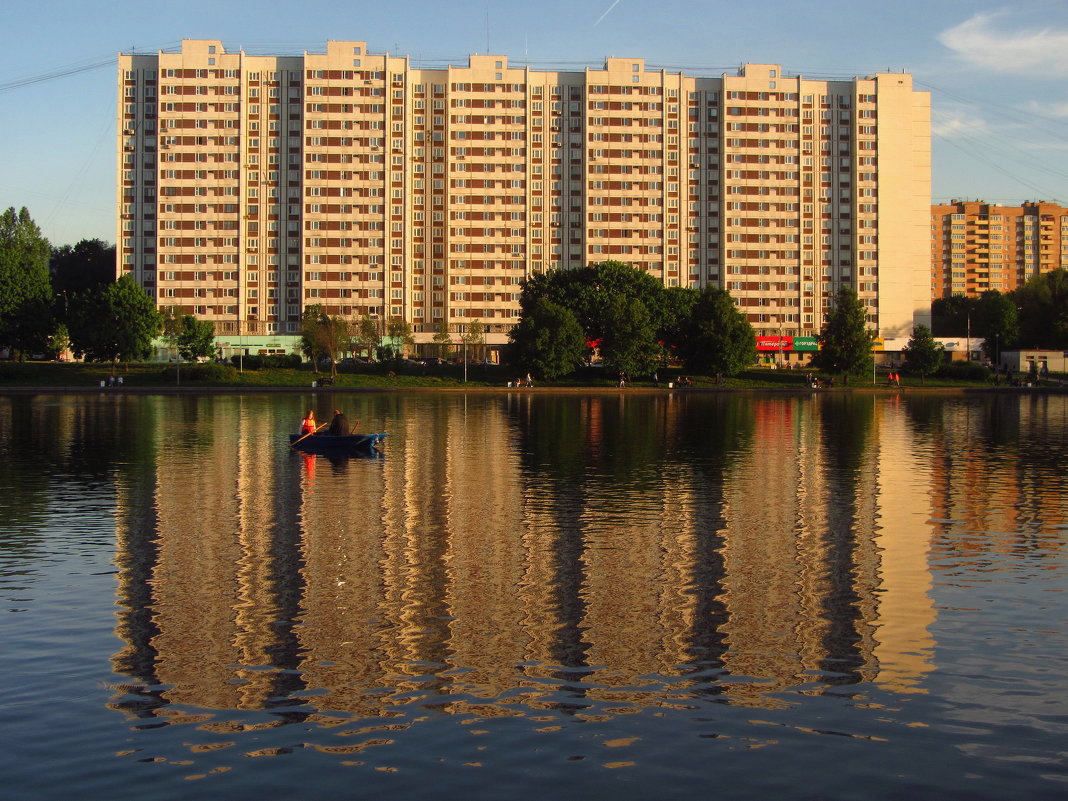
{"x": 336, "y": 443}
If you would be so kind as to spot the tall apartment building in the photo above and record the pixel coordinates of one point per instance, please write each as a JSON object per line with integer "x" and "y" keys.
{"x": 977, "y": 246}
{"x": 252, "y": 186}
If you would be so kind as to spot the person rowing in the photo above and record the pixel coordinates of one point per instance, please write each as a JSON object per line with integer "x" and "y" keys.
{"x": 339, "y": 426}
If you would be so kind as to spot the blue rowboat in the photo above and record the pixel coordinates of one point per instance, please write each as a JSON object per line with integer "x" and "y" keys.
{"x": 336, "y": 443}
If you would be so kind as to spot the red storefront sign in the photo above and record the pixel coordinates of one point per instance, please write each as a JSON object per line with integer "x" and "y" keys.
{"x": 774, "y": 343}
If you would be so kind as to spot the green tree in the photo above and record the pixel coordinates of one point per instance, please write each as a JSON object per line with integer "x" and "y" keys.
{"x": 399, "y": 332}
{"x": 591, "y": 292}
{"x": 997, "y": 322}
{"x": 951, "y": 317}
{"x": 60, "y": 340}
{"x": 845, "y": 342}
{"x": 717, "y": 337}
{"x": 192, "y": 338}
{"x": 117, "y": 323}
{"x": 30, "y": 327}
{"x": 922, "y": 354}
{"x": 25, "y": 288}
{"x": 171, "y": 323}
{"x": 365, "y": 335}
{"x": 310, "y": 344}
{"x": 473, "y": 337}
{"x": 677, "y": 310}
{"x": 1043, "y": 317}
{"x": 443, "y": 340}
{"x": 548, "y": 341}
{"x": 90, "y": 264}
{"x": 324, "y": 337}
{"x": 628, "y": 339}
{"x": 595, "y": 295}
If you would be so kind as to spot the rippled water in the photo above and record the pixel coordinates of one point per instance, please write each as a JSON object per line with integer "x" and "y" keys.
{"x": 627, "y": 596}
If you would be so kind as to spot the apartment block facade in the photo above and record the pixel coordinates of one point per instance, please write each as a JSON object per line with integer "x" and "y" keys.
{"x": 978, "y": 246}
{"x": 253, "y": 186}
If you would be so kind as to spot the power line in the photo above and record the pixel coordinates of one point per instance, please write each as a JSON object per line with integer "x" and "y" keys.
{"x": 998, "y": 153}
{"x": 994, "y": 165}
{"x": 63, "y": 72}
{"x": 76, "y": 68}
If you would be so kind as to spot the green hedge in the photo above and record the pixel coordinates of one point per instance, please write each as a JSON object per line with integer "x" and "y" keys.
{"x": 210, "y": 371}
{"x": 964, "y": 371}
{"x": 271, "y": 361}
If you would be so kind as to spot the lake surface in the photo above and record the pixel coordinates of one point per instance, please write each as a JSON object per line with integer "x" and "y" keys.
{"x": 623, "y": 596}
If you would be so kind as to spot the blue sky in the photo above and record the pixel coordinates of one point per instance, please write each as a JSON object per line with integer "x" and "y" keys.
{"x": 998, "y": 72}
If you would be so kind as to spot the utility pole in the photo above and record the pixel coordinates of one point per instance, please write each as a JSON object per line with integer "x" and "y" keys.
{"x": 969, "y": 318}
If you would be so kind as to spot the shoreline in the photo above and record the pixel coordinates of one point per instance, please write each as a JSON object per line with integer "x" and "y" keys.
{"x": 481, "y": 390}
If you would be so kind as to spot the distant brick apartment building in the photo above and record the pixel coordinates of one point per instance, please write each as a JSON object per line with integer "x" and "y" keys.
{"x": 252, "y": 186}
{"x": 977, "y": 246}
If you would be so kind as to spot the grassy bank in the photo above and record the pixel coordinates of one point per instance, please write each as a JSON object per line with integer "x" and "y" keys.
{"x": 449, "y": 376}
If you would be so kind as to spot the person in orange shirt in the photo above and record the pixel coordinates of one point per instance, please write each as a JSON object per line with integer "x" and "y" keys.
{"x": 307, "y": 425}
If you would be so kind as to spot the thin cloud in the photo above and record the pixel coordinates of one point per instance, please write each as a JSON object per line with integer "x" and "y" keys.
{"x": 957, "y": 121}
{"x": 1054, "y": 110}
{"x": 985, "y": 41}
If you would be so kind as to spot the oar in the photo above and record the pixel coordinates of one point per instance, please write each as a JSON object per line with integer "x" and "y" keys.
{"x": 294, "y": 442}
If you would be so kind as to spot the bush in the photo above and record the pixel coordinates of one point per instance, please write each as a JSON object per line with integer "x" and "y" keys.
{"x": 964, "y": 371}
{"x": 270, "y": 361}
{"x": 210, "y": 371}
{"x": 283, "y": 361}
{"x": 247, "y": 362}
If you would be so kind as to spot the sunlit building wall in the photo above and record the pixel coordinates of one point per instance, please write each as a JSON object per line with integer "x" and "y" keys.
{"x": 977, "y": 246}
{"x": 250, "y": 187}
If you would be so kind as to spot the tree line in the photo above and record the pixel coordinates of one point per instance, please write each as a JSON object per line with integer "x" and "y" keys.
{"x": 55, "y": 299}
{"x": 52, "y": 299}
{"x": 327, "y": 338}
{"x": 1033, "y": 316}
{"x": 636, "y": 325}
{"x": 630, "y": 319}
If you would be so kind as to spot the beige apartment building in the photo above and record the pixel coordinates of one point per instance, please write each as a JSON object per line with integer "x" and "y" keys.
{"x": 253, "y": 186}
{"x": 978, "y": 246}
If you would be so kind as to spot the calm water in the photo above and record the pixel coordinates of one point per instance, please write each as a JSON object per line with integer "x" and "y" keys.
{"x": 536, "y": 595}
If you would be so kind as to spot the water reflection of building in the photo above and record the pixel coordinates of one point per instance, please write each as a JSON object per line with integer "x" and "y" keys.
{"x": 776, "y": 542}
{"x": 993, "y": 466}
{"x": 797, "y": 567}
{"x": 904, "y": 611}
{"x": 206, "y": 567}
